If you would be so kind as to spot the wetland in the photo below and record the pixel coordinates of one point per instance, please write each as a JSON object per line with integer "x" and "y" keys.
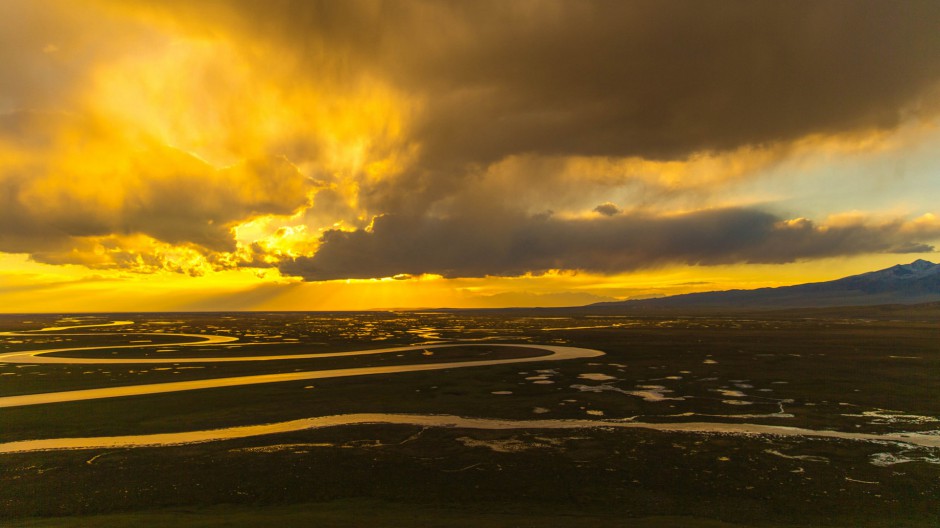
{"x": 501, "y": 417}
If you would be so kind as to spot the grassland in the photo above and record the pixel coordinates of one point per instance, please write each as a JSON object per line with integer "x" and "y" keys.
{"x": 834, "y": 372}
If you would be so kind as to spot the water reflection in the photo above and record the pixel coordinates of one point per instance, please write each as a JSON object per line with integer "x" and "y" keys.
{"x": 555, "y": 353}
{"x": 447, "y": 421}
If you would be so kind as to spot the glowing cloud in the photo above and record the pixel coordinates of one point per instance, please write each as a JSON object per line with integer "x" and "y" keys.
{"x": 366, "y": 139}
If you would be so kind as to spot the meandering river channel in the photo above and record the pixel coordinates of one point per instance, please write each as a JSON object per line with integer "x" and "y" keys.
{"x": 554, "y": 353}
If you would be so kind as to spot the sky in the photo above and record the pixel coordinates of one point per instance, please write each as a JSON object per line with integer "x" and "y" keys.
{"x": 279, "y": 155}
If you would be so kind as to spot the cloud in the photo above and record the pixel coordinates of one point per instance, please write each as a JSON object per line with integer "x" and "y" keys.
{"x": 607, "y": 209}
{"x": 72, "y": 184}
{"x": 193, "y": 136}
{"x": 510, "y": 245}
{"x": 652, "y": 80}
{"x": 668, "y": 79}
{"x": 624, "y": 78}
{"x": 913, "y": 247}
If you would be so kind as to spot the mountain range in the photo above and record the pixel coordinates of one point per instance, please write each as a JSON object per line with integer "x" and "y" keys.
{"x": 914, "y": 283}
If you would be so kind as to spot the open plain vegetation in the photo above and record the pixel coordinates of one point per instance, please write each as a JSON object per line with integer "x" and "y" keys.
{"x": 831, "y": 373}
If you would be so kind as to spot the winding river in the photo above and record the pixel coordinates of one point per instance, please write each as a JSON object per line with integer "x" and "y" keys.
{"x": 557, "y": 353}
{"x": 448, "y": 421}
{"x": 554, "y": 353}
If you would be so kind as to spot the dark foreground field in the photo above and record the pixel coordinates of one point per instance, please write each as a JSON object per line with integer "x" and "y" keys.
{"x": 851, "y": 374}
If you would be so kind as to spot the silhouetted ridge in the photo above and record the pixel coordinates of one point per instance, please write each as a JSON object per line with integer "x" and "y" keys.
{"x": 917, "y": 282}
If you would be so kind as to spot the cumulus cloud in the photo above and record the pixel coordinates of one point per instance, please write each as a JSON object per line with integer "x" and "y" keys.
{"x": 69, "y": 184}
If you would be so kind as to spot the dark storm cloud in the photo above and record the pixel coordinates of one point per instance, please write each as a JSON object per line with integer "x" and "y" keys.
{"x": 658, "y": 79}
{"x": 654, "y": 79}
{"x": 665, "y": 79}
{"x": 512, "y": 244}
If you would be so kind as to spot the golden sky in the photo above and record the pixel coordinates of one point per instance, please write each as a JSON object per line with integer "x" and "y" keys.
{"x": 244, "y": 155}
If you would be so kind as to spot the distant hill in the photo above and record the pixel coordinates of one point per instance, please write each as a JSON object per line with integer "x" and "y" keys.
{"x": 917, "y": 282}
